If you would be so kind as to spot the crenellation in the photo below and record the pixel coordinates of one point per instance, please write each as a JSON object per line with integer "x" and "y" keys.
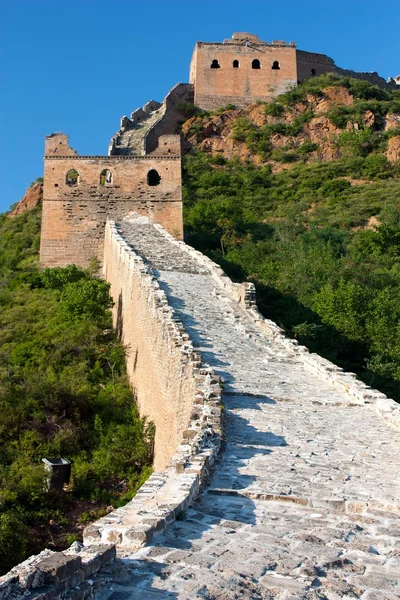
{"x": 57, "y": 145}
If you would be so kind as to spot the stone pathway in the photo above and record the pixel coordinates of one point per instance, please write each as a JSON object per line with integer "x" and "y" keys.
{"x": 130, "y": 142}
{"x": 305, "y": 501}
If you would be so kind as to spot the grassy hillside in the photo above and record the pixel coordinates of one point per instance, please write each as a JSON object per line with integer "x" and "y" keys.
{"x": 303, "y": 198}
{"x": 63, "y": 393}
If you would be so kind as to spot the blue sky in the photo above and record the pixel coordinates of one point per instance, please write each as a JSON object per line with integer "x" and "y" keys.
{"x": 77, "y": 67}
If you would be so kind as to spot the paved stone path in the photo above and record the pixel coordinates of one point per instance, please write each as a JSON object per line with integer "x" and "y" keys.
{"x": 304, "y": 503}
{"x": 130, "y": 142}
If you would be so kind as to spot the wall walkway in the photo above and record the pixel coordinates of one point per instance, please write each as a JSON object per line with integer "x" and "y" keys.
{"x": 304, "y": 502}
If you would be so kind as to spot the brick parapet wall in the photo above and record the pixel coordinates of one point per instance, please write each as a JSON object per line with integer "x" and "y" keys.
{"x": 179, "y": 393}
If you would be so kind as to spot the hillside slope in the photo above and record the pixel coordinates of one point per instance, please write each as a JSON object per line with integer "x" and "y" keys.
{"x": 317, "y": 121}
{"x": 303, "y": 197}
{"x": 63, "y": 393}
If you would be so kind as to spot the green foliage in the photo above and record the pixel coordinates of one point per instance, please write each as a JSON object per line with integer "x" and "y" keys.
{"x": 274, "y": 109}
{"x": 240, "y": 128}
{"x": 13, "y": 540}
{"x": 86, "y": 299}
{"x": 190, "y": 110}
{"x": 37, "y": 180}
{"x": 358, "y": 142}
{"x": 63, "y": 392}
{"x": 259, "y": 139}
{"x": 57, "y": 278}
{"x": 303, "y": 236}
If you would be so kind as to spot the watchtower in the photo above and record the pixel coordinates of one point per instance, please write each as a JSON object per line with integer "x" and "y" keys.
{"x": 81, "y": 192}
{"x": 241, "y": 70}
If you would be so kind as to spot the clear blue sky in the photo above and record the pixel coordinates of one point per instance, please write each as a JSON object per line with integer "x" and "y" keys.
{"x": 78, "y": 66}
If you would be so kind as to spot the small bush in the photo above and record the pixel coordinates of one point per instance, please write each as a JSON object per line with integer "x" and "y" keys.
{"x": 274, "y": 109}
{"x": 240, "y": 128}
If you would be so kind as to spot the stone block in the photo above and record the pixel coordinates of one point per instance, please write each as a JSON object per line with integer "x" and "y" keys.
{"x": 58, "y": 567}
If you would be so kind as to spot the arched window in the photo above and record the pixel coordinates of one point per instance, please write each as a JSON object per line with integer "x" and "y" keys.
{"x": 105, "y": 177}
{"x": 153, "y": 177}
{"x": 313, "y": 72}
{"x": 72, "y": 177}
{"x": 256, "y": 64}
{"x": 215, "y": 64}
{"x": 275, "y": 65}
{"x": 235, "y": 64}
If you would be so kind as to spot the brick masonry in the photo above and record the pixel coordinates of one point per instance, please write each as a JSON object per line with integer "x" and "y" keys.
{"x": 216, "y": 87}
{"x": 74, "y": 216}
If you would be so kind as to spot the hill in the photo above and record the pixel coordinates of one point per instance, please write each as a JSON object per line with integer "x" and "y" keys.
{"x": 302, "y": 197}
{"x": 63, "y": 393}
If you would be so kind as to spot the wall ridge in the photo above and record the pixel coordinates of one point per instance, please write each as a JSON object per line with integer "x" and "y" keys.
{"x": 168, "y": 492}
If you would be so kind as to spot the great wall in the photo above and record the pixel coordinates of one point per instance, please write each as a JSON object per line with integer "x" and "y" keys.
{"x": 276, "y": 474}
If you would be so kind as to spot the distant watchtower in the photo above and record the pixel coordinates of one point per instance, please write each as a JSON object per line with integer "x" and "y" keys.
{"x": 241, "y": 70}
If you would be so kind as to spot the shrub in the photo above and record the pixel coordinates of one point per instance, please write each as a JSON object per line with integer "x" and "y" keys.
{"x": 274, "y": 109}
{"x": 63, "y": 392}
{"x": 358, "y": 142}
{"x": 13, "y": 540}
{"x": 240, "y": 128}
{"x": 190, "y": 110}
{"x": 283, "y": 156}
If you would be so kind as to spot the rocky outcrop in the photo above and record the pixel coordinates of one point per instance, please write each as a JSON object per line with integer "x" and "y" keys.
{"x": 392, "y": 122}
{"x": 393, "y": 150}
{"x": 215, "y": 133}
{"x": 332, "y": 96}
{"x": 33, "y": 197}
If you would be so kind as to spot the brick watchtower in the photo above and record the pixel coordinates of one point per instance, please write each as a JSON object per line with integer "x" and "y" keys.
{"x": 241, "y": 70}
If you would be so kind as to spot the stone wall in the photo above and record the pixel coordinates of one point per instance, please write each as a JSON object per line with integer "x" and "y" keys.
{"x": 161, "y": 364}
{"x": 74, "y": 216}
{"x": 172, "y": 115}
{"x": 372, "y": 77}
{"x": 174, "y": 389}
{"x": 51, "y": 575}
{"x": 140, "y": 134}
{"x": 310, "y": 64}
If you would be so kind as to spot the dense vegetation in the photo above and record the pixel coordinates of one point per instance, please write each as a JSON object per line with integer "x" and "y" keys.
{"x": 63, "y": 393}
{"x": 321, "y": 240}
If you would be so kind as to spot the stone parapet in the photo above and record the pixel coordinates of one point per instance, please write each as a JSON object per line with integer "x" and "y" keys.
{"x": 357, "y": 391}
{"x": 56, "y": 575}
{"x": 167, "y": 493}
